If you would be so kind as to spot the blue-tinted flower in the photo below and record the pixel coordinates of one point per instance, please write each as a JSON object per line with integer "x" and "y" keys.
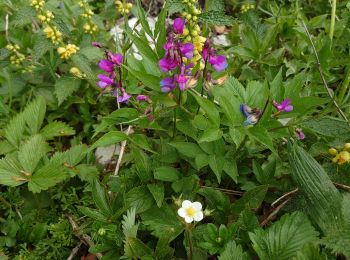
{"x": 167, "y": 84}
{"x": 219, "y": 62}
{"x": 105, "y": 81}
{"x": 252, "y": 114}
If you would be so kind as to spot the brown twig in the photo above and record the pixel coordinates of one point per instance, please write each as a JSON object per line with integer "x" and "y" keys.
{"x": 290, "y": 193}
{"x": 74, "y": 251}
{"x": 342, "y": 186}
{"x": 273, "y": 213}
{"x": 86, "y": 239}
{"x": 330, "y": 94}
{"x": 233, "y": 192}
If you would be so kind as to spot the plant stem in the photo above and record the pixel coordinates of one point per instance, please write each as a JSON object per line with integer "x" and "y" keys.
{"x": 190, "y": 243}
{"x": 344, "y": 86}
{"x": 334, "y": 8}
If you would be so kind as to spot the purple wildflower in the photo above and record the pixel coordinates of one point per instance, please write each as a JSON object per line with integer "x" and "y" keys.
{"x": 187, "y": 50}
{"x": 179, "y": 25}
{"x": 167, "y": 64}
{"x": 105, "y": 81}
{"x": 252, "y": 114}
{"x": 300, "y": 134}
{"x": 142, "y": 98}
{"x": 167, "y": 84}
{"x": 96, "y": 44}
{"x": 181, "y": 79}
{"x": 124, "y": 97}
{"x": 116, "y": 58}
{"x": 106, "y": 65}
{"x": 284, "y": 106}
{"x": 219, "y": 62}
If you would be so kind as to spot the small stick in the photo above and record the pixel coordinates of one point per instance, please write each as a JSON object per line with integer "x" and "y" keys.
{"x": 285, "y": 196}
{"x": 86, "y": 239}
{"x": 341, "y": 186}
{"x": 234, "y": 192}
{"x": 330, "y": 94}
{"x": 122, "y": 149}
{"x": 7, "y": 28}
{"x": 74, "y": 251}
{"x": 273, "y": 213}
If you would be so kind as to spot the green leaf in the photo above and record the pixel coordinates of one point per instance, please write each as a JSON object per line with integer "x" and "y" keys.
{"x": 216, "y": 18}
{"x": 82, "y": 63}
{"x": 34, "y": 114}
{"x": 157, "y": 191}
{"x": 41, "y": 46}
{"x": 216, "y": 163}
{"x": 261, "y": 135}
{"x": 174, "y": 6}
{"x": 262, "y": 176}
{"x": 277, "y": 87}
{"x": 216, "y": 5}
{"x": 71, "y": 157}
{"x": 100, "y": 198}
{"x": 151, "y": 81}
{"x": 166, "y": 173}
{"x": 65, "y": 87}
{"x": 109, "y": 138}
{"x": 139, "y": 198}
{"x": 23, "y": 16}
{"x": 209, "y": 109}
{"x": 10, "y": 172}
{"x": 136, "y": 248}
{"x": 15, "y": 129}
{"x": 284, "y": 238}
{"x": 31, "y": 152}
{"x": 323, "y": 199}
{"x": 93, "y": 213}
{"x": 56, "y": 128}
{"x": 188, "y": 149}
{"x": 211, "y": 134}
{"x": 252, "y": 199}
{"x": 328, "y": 126}
{"x": 142, "y": 18}
{"x": 233, "y": 251}
{"x": 47, "y": 177}
{"x": 230, "y": 168}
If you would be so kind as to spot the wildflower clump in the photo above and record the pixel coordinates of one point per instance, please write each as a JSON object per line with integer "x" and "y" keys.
{"x": 89, "y": 26}
{"x": 342, "y": 155}
{"x": 16, "y": 57}
{"x": 67, "y": 51}
{"x": 45, "y": 17}
{"x": 123, "y": 7}
{"x": 246, "y": 7}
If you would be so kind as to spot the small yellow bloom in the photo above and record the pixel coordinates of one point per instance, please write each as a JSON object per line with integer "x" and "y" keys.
{"x": 347, "y": 146}
{"x": 332, "y": 151}
{"x": 344, "y": 157}
{"x": 76, "y": 72}
{"x": 67, "y": 51}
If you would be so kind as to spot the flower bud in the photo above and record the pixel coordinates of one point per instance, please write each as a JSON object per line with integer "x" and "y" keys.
{"x": 332, "y": 151}
{"x": 347, "y": 146}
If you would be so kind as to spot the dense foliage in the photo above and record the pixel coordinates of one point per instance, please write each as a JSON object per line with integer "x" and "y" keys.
{"x": 173, "y": 130}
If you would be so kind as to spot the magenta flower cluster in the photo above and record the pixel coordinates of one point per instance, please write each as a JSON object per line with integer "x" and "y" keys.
{"x": 284, "y": 106}
{"x": 112, "y": 78}
{"x": 175, "y": 51}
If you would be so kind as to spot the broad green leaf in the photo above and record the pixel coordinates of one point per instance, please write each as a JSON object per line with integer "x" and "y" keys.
{"x": 31, "y": 152}
{"x": 82, "y": 63}
{"x": 109, "y": 138}
{"x": 211, "y": 134}
{"x": 157, "y": 191}
{"x": 277, "y": 87}
{"x": 100, "y": 198}
{"x": 93, "y": 213}
{"x": 56, "y": 128}
{"x": 22, "y": 17}
{"x": 47, "y": 177}
{"x": 65, "y": 87}
{"x": 216, "y": 163}
{"x": 257, "y": 94}
{"x": 136, "y": 248}
{"x": 148, "y": 80}
{"x": 142, "y": 164}
{"x": 230, "y": 168}
{"x": 284, "y": 238}
{"x": 328, "y": 126}
{"x": 10, "y": 172}
{"x": 34, "y": 114}
{"x": 142, "y": 17}
{"x": 15, "y": 129}
{"x": 209, "y": 109}
{"x": 188, "y": 149}
{"x": 174, "y": 6}
{"x": 71, "y": 157}
{"x": 261, "y": 135}
{"x": 41, "y": 46}
{"x": 324, "y": 200}
{"x": 166, "y": 173}
{"x": 139, "y": 198}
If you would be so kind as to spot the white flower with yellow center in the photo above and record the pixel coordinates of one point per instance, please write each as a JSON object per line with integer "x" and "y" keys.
{"x": 191, "y": 211}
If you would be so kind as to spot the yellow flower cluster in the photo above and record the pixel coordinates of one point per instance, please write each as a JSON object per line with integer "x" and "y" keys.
{"x": 246, "y": 7}
{"x": 53, "y": 34}
{"x": 16, "y": 57}
{"x": 76, "y": 72}
{"x": 37, "y": 4}
{"x": 122, "y": 7}
{"x": 340, "y": 157}
{"x": 67, "y": 51}
{"x": 89, "y": 27}
{"x": 46, "y": 17}
{"x": 192, "y": 31}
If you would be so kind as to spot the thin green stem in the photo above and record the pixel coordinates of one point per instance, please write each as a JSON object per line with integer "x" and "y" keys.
{"x": 344, "y": 86}
{"x": 334, "y": 8}
{"x": 190, "y": 242}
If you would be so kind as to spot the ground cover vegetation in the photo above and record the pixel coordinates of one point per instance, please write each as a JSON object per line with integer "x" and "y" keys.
{"x": 182, "y": 129}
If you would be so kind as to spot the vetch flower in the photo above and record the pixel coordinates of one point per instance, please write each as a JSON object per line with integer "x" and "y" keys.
{"x": 300, "y": 134}
{"x": 191, "y": 211}
{"x": 105, "y": 81}
{"x": 219, "y": 62}
{"x": 167, "y": 84}
{"x": 284, "y": 106}
{"x": 167, "y": 64}
{"x": 116, "y": 58}
{"x": 187, "y": 50}
{"x": 252, "y": 114}
{"x": 179, "y": 25}
{"x": 142, "y": 98}
{"x": 106, "y": 65}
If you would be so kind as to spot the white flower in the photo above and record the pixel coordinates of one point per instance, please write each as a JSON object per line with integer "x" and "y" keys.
{"x": 191, "y": 211}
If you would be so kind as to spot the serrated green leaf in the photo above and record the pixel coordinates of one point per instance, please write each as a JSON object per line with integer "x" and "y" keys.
{"x": 65, "y": 87}
{"x": 93, "y": 213}
{"x": 71, "y": 157}
{"x": 10, "y": 172}
{"x": 15, "y": 129}
{"x": 34, "y": 114}
{"x": 109, "y": 138}
{"x": 47, "y": 177}
{"x": 261, "y": 135}
{"x": 166, "y": 173}
{"x": 209, "y": 109}
{"x": 41, "y": 46}
{"x": 100, "y": 198}
{"x": 82, "y": 63}
{"x": 284, "y": 238}
{"x": 216, "y": 18}
{"x": 139, "y": 198}
{"x": 23, "y": 16}
{"x": 56, "y": 128}
{"x": 157, "y": 191}
{"x": 328, "y": 126}
{"x": 216, "y": 163}
{"x": 233, "y": 251}
{"x": 174, "y": 6}
{"x": 31, "y": 152}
